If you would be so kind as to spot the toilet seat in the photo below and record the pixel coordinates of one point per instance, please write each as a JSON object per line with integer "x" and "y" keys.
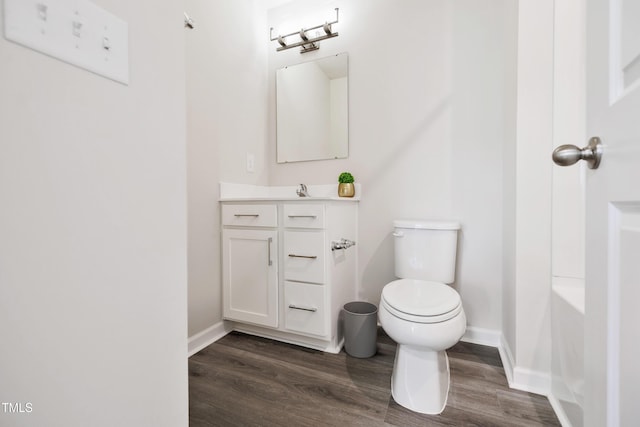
{"x": 421, "y": 301}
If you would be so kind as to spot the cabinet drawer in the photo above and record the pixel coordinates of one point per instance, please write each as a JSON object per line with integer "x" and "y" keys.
{"x": 302, "y": 215}
{"x": 306, "y": 309}
{"x": 304, "y": 256}
{"x": 250, "y": 215}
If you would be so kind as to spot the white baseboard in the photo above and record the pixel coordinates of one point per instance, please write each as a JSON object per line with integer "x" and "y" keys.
{"x": 532, "y": 381}
{"x": 207, "y": 337}
{"x": 559, "y": 410}
{"x": 507, "y": 359}
{"x": 521, "y": 378}
{"x": 482, "y": 336}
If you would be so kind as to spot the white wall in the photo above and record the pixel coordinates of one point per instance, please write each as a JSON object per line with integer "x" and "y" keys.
{"x": 226, "y": 120}
{"x": 509, "y": 177}
{"x": 527, "y": 269}
{"x": 426, "y": 128}
{"x": 569, "y": 127}
{"x": 568, "y": 213}
{"x": 483, "y": 78}
{"x": 93, "y": 232}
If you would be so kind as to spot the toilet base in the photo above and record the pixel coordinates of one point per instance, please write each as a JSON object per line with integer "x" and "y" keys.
{"x": 420, "y": 379}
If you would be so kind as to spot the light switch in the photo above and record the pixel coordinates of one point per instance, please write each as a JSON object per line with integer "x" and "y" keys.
{"x": 42, "y": 11}
{"x": 75, "y": 31}
{"x": 77, "y": 26}
{"x": 251, "y": 163}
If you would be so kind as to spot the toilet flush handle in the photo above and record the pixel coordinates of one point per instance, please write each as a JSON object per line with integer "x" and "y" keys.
{"x": 398, "y": 234}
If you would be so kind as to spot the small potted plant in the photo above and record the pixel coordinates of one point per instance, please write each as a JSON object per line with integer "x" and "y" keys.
{"x": 345, "y": 185}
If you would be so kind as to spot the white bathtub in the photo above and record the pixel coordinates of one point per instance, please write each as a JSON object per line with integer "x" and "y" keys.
{"x": 567, "y": 320}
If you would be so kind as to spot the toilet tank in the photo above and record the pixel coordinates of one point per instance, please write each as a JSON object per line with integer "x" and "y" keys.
{"x": 426, "y": 250}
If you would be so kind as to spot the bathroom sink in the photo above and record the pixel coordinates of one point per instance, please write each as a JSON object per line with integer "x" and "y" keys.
{"x": 231, "y": 191}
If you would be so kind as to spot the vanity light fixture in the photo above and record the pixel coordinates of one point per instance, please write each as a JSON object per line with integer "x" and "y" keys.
{"x": 306, "y": 43}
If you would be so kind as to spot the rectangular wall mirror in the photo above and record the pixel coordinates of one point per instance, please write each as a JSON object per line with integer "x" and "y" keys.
{"x": 312, "y": 117}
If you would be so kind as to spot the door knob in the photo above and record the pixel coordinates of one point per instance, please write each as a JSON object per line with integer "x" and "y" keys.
{"x": 567, "y": 155}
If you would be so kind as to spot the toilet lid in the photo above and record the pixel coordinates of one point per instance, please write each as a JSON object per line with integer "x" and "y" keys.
{"x": 421, "y": 301}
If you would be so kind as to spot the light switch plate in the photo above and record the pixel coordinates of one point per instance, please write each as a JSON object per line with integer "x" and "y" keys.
{"x": 251, "y": 162}
{"x": 75, "y": 31}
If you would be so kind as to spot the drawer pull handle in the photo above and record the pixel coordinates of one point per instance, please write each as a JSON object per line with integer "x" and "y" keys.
{"x": 240, "y": 215}
{"x": 295, "y": 307}
{"x": 303, "y": 216}
{"x": 303, "y": 256}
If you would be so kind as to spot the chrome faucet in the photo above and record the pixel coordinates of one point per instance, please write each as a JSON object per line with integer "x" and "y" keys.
{"x": 301, "y": 191}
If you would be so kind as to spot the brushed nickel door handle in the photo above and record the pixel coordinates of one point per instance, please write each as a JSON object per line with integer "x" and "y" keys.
{"x": 567, "y": 155}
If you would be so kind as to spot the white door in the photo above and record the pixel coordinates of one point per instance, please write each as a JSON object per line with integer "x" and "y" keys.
{"x": 250, "y": 276}
{"x": 612, "y": 311}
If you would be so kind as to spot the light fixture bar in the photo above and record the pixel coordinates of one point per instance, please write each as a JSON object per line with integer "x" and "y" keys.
{"x": 306, "y": 44}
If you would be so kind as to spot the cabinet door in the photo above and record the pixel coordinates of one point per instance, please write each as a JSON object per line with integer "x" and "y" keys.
{"x": 250, "y": 276}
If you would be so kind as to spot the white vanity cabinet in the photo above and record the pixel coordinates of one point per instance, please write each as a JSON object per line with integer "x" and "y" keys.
{"x": 250, "y": 264}
{"x": 281, "y": 279}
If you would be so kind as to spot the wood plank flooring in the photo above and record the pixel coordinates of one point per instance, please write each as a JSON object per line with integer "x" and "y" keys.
{"x": 243, "y": 380}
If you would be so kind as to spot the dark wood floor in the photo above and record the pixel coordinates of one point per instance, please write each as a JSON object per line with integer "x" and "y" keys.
{"x": 243, "y": 380}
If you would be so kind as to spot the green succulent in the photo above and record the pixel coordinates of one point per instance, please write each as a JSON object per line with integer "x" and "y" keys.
{"x": 345, "y": 178}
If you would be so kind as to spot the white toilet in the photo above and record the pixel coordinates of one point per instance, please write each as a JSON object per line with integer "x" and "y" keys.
{"x": 422, "y": 313}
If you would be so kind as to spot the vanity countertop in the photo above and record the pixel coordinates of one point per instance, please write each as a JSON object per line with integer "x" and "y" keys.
{"x": 246, "y": 193}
